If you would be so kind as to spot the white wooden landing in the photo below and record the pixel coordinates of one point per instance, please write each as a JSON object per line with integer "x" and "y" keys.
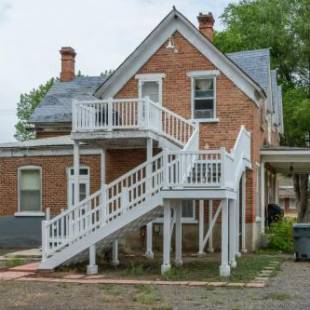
{"x": 199, "y": 193}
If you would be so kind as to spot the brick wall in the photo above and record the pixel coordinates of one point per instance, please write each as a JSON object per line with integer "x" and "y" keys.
{"x": 233, "y": 107}
{"x": 54, "y": 180}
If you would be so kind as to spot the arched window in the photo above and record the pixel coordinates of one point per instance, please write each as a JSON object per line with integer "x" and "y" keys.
{"x": 84, "y": 179}
{"x": 29, "y": 190}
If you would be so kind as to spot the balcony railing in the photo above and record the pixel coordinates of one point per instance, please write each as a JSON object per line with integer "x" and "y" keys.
{"x": 117, "y": 114}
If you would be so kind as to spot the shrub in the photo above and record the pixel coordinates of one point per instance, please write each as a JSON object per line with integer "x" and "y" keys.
{"x": 280, "y": 236}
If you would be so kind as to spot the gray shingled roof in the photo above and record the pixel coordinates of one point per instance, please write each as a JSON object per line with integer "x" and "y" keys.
{"x": 256, "y": 64}
{"x": 56, "y": 105}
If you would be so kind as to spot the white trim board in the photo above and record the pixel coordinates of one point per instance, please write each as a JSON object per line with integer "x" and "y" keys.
{"x": 176, "y": 22}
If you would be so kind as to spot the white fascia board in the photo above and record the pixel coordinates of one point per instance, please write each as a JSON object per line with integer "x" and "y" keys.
{"x": 172, "y": 23}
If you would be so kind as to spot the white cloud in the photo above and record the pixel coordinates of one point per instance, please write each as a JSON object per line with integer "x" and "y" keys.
{"x": 103, "y": 32}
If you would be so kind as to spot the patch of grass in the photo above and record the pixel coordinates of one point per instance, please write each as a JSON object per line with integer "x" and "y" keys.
{"x": 112, "y": 289}
{"x": 14, "y": 261}
{"x": 146, "y": 295}
{"x": 278, "y": 296}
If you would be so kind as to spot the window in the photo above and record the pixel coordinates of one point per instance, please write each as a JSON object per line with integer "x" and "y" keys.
{"x": 84, "y": 184}
{"x": 188, "y": 210}
{"x": 204, "y": 98}
{"x": 29, "y": 180}
{"x": 204, "y": 95}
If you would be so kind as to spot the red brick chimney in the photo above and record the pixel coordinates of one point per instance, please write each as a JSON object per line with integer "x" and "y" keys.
{"x": 67, "y": 64}
{"x": 206, "y": 23}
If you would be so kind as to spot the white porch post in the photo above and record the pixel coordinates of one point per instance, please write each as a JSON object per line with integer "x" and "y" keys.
{"x": 276, "y": 188}
{"x": 210, "y": 247}
{"x": 115, "y": 260}
{"x": 224, "y": 268}
{"x": 149, "y": 241}
{"x": 178, "y": 234}
{"x": 149, "y": 228}
{"x": 102, "y": 167}
{"x": 262, "y": 174}
{"x": 76, "y": 166}
{"x": 243, "y": 215}
{"x": 237, "y": 213}
{"x": 92, "y": 268}
{"x": 167, "y": 238}
{"x": 201, "y": 227}
{"x": 232, "y": 233}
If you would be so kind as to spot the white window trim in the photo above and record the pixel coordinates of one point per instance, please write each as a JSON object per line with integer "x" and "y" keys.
{"x": 151, "y": 77}
{"x": 203, "y": 75}
{"x": 82, "y": 179}
{"x": 28, "y": 213}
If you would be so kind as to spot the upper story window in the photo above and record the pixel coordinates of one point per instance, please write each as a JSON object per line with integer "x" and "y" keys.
{"x": 204, "y": 95}
{"x": 29, "y": 193}
{"x": 150, "y": 85}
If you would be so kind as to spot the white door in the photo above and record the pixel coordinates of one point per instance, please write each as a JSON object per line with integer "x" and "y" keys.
{"x": 84, "y": 185}
{"x": 152, "y": 89}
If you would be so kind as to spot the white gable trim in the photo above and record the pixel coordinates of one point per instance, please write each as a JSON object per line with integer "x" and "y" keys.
{"x": 173, "y": 22}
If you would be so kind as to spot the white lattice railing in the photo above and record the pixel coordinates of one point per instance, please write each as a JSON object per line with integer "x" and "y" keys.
{"x": 116, "y": 114}
{"x": 104, "y": 206}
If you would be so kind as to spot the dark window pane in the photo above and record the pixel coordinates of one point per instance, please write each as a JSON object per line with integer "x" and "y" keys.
{"x": 204, "y": 108}
{"x": 187, "y": 208}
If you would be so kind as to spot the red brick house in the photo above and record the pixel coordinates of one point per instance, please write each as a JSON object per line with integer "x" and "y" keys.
{"x": 178, "y": 126}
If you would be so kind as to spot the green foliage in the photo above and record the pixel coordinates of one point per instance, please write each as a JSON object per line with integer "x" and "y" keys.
{"x": 284, "y": 27}
{"x": 280, "y": 236}
{"x": 25, "y": 107}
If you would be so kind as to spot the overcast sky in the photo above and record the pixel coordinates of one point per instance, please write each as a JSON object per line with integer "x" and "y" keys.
{"x": 103, "y": 33}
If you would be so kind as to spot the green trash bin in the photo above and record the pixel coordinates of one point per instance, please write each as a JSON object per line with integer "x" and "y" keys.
{"x": 301, "y": 235}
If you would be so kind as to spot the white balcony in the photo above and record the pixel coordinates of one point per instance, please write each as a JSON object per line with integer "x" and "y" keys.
{"x": 130, "y": 114}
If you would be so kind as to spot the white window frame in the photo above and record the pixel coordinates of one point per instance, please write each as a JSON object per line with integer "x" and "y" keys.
{"x": 196, "y": 75}
{"x": 19, "y": 172}
{"x": 151, "y": 77}
{"x": 82, "y": 179}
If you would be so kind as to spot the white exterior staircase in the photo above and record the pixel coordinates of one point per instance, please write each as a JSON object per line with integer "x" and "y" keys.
{"x": 136, "y": 198}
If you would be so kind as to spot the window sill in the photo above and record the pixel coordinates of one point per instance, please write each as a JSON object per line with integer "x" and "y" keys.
{"x": 29, "y": 213}
{"x": 205, "y": 120}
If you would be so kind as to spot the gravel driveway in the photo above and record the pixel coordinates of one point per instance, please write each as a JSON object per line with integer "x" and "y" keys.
{"x": 289, "y": 290}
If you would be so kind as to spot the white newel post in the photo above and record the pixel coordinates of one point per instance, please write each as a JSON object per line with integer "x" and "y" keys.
{"x": 243, "y": 217}
{"x": 166, "y": 237}
{"x": 110, "y": 114}
{"x": 201, "y": 227}
{"x": 224, "y": 268}
{"x": 178, "y": 234}
{"x": 149, "y": 227}
{"x": 232, "y": 233}
{"x": 92, "y": 268}
{"x": 115, "y": 260}
{"x": 210, "y": 247}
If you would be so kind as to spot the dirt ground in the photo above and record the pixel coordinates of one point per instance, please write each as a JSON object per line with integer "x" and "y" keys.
{"x": 290, "y": 289}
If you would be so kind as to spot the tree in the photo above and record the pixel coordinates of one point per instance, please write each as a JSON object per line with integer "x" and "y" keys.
{"x": 26, "y": 105}
{"x": 284, "y": 27}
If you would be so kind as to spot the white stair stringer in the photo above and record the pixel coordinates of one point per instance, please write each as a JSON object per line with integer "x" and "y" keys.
{"x": 138, "y": 217}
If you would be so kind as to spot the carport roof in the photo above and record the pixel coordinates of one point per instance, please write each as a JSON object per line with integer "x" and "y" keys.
{"x": 283, "y": 159}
